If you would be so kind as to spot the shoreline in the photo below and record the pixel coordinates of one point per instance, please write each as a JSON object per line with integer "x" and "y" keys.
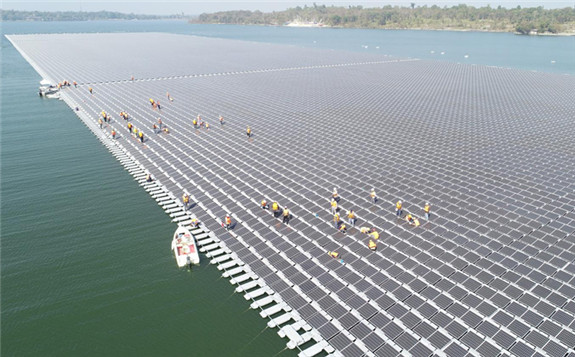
{"x": 559, "y": 34}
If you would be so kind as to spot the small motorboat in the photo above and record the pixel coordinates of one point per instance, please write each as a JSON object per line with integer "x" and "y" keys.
{"x": 184, "y": 247}
{"x": 48, "y": 90}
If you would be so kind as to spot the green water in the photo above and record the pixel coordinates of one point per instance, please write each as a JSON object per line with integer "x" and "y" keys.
{"x": 85, "y": 252}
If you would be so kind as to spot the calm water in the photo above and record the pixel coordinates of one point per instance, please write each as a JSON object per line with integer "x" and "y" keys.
{"x": 85, "y": 258}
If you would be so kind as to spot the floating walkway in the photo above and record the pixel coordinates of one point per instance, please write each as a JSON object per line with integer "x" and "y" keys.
{"x": 491, "y": 274}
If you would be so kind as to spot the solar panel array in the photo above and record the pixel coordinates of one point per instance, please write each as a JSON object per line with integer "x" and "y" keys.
{"x": 493, "y": 271}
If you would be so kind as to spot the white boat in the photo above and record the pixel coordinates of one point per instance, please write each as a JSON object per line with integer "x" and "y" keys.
{"x": 48, "y": 90}
{"x": 184, "y": 247}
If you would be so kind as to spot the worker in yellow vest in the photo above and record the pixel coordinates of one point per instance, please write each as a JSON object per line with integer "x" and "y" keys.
{"x": 186, "y": 200}
{"x": 398, "y": 208}
{"x": 336, "y": 220}
{"x": 412, "y": 220}
{"x": 333, "y": 206}
{"x": 249, "y": 132}
{"x": 427, "y": 210}
{"x": 372, "y": 245}
{"x": 276, "y": 209}
{"x": 351, "y": 218}
{"x": 374, "y": 234}
{"x": 373, "y": 196}
{"x": 343, "y": 228}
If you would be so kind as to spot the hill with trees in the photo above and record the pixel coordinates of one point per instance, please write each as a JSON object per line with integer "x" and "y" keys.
{"x": 15, "y": 15}
{"x": 460, "y": 17}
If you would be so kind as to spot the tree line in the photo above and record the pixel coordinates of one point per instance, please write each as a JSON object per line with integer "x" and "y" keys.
{"x": 15, "y": 15}
{"x": 460, "y": 17}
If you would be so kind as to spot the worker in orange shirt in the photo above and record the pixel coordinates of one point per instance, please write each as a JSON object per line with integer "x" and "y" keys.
{"x": 228, "y": 222}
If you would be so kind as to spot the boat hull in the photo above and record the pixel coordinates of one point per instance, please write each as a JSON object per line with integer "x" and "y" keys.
{"x": 184, "y": 248}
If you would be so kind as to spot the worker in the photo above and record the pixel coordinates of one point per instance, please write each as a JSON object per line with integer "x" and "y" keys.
{"x": 427, "y": 209}
{"x": 186, "y": 200}
{"x": 264, "y": 204}
{"x": 152, "y": 102}
{"x": 207, "y": 126}
{"x": 113, "y": 133}
{"x": 364, "y": 230}
{"x": 333, "y": 254}
{"x": 195, "y": 223}
{"x": 374, "y": 234}
{"x": 333, "y": 206}
{"x": 100, "y": 122}
{"x": 132, "y": 78}
{"x": 75, "y": 84}
{"x": 372, "y": 245}
{"x": 221, "y": 120}
{"x": 90, "y": 89}
{"x": 335, "y": 195}
{"x": 195, "y": 123}
{"x": 155, "y": 127}
{"x": 343, "y": 228}
{"x": 158, "y": 105}
{"x": 228, "y": 222}
{"x": 160, "y": 122}
{"x": 412, "y": 220}
{"x": 136, "y": 132}
{"x": 130, "y": 126}
{"x": 398, "y": 208}
{"x": 351, "y": 218}
{"x": 373, "y": 196}
{"x": 169, "y": 98}
{"x": 249, "y": 132}
{"x": 275, "y": 209}
{"x": 149, "y": 177}
{"x": 286, "y": 215}
{"x": 336, "y": 220}
{"x": 166, "y": 130}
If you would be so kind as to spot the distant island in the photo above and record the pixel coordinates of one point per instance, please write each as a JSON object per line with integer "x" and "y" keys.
{"x": 536, "y": 20}
{"x": 15, "y": 15}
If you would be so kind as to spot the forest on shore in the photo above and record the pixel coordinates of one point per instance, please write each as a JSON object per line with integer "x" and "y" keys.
{"x": 533, "y": 20}
{"x": 16, "y": 15}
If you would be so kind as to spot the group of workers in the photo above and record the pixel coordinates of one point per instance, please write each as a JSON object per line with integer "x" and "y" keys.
{"x": 155, "y": 104}
{"x": 137, "y": 133}
{"x": 372, "y": 232}
{"x": 198, "y": 122}
{"x": 277, "y": 210}
{"x": 411, "y": 219}
{"x": 66, "y": 83}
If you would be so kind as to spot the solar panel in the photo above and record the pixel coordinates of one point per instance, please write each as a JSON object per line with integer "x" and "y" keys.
{"x": 502, "y": 223}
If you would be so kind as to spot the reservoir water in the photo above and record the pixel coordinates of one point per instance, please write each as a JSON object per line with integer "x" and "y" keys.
{"x": 85, "y": 259}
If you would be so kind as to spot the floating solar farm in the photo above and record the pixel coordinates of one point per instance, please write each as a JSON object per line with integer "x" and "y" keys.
{"x": 492, "y": 273}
